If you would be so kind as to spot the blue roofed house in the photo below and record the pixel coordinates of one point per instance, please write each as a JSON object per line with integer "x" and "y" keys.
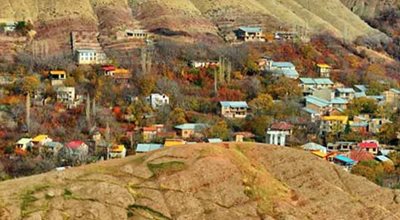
{"x": 234, "y": 109}
{"x": 190, "y": 129}
{"x": 286, "y": 69}
{"x": 344, "y": 161}
{"x": 339, "y": 103}
{"x": 143, "y": 148}
{"x": 318, "y": 105}
{"x": 345, "y": 93}
{"x": 310, "y": 85}
{"x": 249, "y": 34}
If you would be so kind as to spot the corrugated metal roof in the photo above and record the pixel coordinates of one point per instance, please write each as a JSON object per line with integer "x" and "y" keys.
{"x": 317, "y": 101}
{"x": 395, "y": 91}
{"x": 339, "y": 101}
{"x": 382, "y": 158}
{"x": 362, "y": 88}
{"x": 234, "y": 104}
{"x": 345, "y": 90}
{"x": 250, "y": 29}
{"x": 283, "y": 65}
{"x": 214, "y": 140}
{"x": 290, "y": 73}
{"x": 344, "y": 159}
{"x": 191, "y": 126}
{"x": 314, "y": 147}
{"x": 24, "y": 140}
{"x": 147, "y": 147}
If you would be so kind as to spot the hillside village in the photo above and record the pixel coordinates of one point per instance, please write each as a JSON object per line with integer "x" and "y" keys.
{"x": 101, "y": 110}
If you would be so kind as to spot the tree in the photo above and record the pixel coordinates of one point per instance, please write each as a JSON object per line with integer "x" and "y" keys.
{"x": 282, "y": 88}
{"x": 362, "y": 105}
{"x": 370, "y": 169}
{"x": 30, "y": 84}
{"x": 178, "y": 116}
{"x": 220, "y": 130}
{"x": 258, "y": 125}
{"x": 262, "y": 104}
{"x": 146, "y": 85}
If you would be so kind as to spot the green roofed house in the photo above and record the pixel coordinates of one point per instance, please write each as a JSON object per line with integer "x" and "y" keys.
{"x": 234, "y": 109}
{"x": 190, "y": 129}
{"x": 249, "y": 34}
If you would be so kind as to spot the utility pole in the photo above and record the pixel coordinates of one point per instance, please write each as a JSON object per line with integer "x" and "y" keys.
{"x": 88, "y": 110}
{"x": 215, "y": 83}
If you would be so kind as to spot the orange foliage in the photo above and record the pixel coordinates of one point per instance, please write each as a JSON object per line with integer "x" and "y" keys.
{"x": 12, "y": 100}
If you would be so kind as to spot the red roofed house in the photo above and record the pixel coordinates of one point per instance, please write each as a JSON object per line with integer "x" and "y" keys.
{"x": 75, "y": 150}
{"x": 150, "y": 133}
{"x": 361, "y": 155}
{"x": 371, "y": 146}
{"x": 108, "y": 70}
{"x": 277, "y": 133}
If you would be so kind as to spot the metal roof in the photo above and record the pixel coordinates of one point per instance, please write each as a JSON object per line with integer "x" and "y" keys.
{"x": 339, "y": 101}
{"x": 234, "y": 104}
{"x": 362, "y": 88}
{"x": 317, "y": 101}
{"x": 214, "y": 140}
{"x": 382, "y": 158}
{"x": 191, "y": 126}
{"x": 313, "y": 146}
{"x": 395, "y": 91}
{"x": 148, "y": 147}
{"x": 345, "y": 90}
{"x": 250, "y": 29}
{"x": 310, "y": 111}
{"x": 345, "y": 159}
{"x": 283, "y": 65}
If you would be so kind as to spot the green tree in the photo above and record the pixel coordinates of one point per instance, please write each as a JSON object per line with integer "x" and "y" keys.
{"x": 178, "y": 116}
{"x": 220, "y": 130}
{"x": 262, "y": 104}
{"x": 258, "y": 125}
{"x": 362, "y": 105}
{"x": 283, "y": 88}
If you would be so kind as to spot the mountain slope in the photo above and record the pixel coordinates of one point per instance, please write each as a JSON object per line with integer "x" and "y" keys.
{"x": 203, "y": 181}
{"x": 370, "y": 8}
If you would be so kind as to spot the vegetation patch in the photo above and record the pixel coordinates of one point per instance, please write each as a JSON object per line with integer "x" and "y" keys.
{"x": 166, "y": 168}
{"x": 28, "y": 199}
{"x": 154, "y": 214}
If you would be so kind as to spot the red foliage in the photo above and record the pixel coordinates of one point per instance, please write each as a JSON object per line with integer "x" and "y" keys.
{"x": 227, "y": 94}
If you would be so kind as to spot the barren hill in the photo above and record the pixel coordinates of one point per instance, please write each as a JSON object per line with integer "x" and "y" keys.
{"x": 370, "y": 8}
{"x": 197, "y": 19}
{"x": 204, "y": 181}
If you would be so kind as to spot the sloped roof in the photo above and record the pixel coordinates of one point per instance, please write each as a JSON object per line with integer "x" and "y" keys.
{"x": 339, "y": 101}
{"x": 191, "y": 126}
{"x": 368, "y": 145}
{"x": 395, "y": 91}
{"x": 250, "y": 29}
{"x": 24, "y": 141}
{"x": 345, "y": 90}
{"x": 282, "y": 126}
{"x": 345, "y": 159}
{"x": 317, "y": 101}
{"x": 314, "y": 147}
{"x": 118, "y": 148}
{"x": 234, "y": 104}
{"x": 283, "y": 64}
{"x": 40, "y": 138}
{"x": 360, "y": 155}
{"x": 214, "y": 140}
{"x": 323, "y": 65}
{"x": 75, "y": 144}
{"x": 362, "y": 88}
{"x": 57, "y": 72}
{"x": 382, "y": 158}
{"x": 148, "y": 147}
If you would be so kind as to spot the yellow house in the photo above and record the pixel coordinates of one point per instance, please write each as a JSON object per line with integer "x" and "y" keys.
{"x": 57, "y": 77}
{"x": 334, "y": 123}
{"x": 174, "y": 142}
{"x": 41, "y": 139}
{"x": 324, "y": 70}
{"x": 118, "y": 151}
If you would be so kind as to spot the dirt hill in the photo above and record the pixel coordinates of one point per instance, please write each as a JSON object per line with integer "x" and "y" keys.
{"x": 188, "y": 19}
{"x": 204, "y": 181}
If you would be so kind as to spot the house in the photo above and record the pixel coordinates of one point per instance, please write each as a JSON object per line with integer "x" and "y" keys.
{"x": 359, "y": 127}
{"x": 90, "y": 56}
{"x": 67, "y": 96}
{"x": 122, "y": 76}
{"x": 376, "y": 124}
{"x": 24, "y": 144}
{"x": 143, "y": 148}
{"x": 371, "y": 146}
{"x": 286, "y": 69}
{"x": 75, "y": 150}
{"x": 234, "y": 109}
{"x": 392, "y": 96}
{"x": 314, "y": 147}
{"x": 311, "y": 84}
{"x": 359, "y": 155}
{"x": 342, "y": 146}
{"x": 203, "y": 64}
{"x": 118, "y": 151}
{"x": 320, "y": 154}
{"x": 10, "y": 26}
{"x": 244, "y": 136}
{"x": 250, "y": 34}
{"x": 157, "y": 100}
{"x": 277, "y": 133}
{"x": 190, "y": 129}
{"x": 324, "y": 70}
{"x": 174, "y": 142}
{"x": 214, "y": 140}
{"x": 317, "y": 105}
{"x": 383, "y": 159}
{"x": 151, "y": 132}
{"x": 360, "y": 88}
{"x": 343, "y": 161}
{"x": 51, "y": 148}
{"x": 345, "y": 93}
{"x": 285, "y": 35}
{"x": 108, "y": 70}
{"x": 333, "y": 124}
{"x": 41, "y": 139}
{"x": 136, "y": 33}
{"x": 339, "y": 103}
{"x": 57, "y": 77}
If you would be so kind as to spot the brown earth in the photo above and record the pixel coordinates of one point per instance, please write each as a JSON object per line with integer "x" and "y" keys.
{"x": 203, "y": 181}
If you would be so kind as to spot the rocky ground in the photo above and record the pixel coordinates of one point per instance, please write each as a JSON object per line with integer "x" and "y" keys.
{"x": 204, "y": 181}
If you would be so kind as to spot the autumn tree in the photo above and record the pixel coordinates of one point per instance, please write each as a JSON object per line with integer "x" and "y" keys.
{"x": 262, "y": 104}
{"x": 178, "y": 116}
{"x": 362, "y": 105}
{"x": 371, "y": 169}
{"x": 30, "y": 84}
{"x": 220, "y": 130}
{"x": 283, "y": 87}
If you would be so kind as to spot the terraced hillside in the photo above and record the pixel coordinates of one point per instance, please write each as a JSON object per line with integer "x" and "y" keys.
{"x": 203, "y": 181}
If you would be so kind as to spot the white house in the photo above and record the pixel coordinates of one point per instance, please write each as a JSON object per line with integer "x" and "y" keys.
{"x": 67, "y": 95}
{"x": 157, "y": 100}
{"x": 24, "y": 144}
{"x": 90, "y": 56}
{"x": 250, "y": 34}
